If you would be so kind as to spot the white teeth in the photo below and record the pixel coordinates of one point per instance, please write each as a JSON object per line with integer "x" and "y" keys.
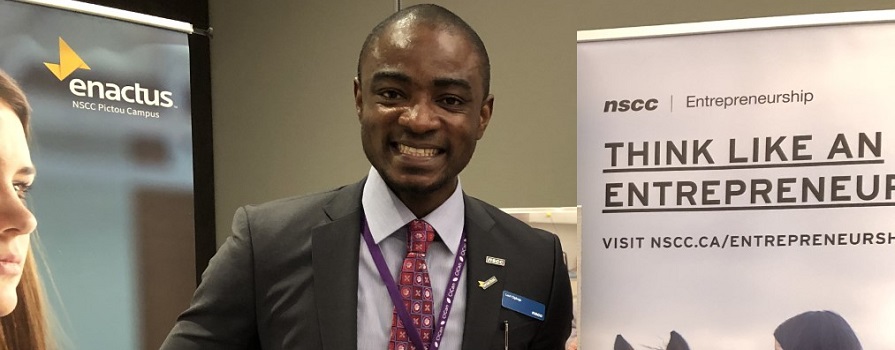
{"x": 418, "y": 152}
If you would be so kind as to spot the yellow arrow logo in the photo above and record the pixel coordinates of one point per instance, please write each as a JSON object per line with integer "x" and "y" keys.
{"x": 69, "y": 62}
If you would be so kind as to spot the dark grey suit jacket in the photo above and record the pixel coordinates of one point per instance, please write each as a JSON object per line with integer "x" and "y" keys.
{"x": 287, "y": 279}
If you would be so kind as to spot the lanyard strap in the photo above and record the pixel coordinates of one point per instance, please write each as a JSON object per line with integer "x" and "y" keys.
{"x": 389, "y": 281}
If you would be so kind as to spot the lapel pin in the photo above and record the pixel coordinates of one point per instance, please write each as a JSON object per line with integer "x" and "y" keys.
{"x": 487, "y": 283}
{"x": 495, "y": 261}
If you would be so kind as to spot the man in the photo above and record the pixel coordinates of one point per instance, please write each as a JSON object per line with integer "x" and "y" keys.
{"x": 325, "y": 271}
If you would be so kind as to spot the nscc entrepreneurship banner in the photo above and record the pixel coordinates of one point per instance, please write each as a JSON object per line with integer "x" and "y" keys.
{"x": 731, "y": 180}
{"x": 113, "y": 195}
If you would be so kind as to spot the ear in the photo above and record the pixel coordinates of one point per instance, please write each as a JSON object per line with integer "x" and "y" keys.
{"x": 677, "y": 342}
{"x": 622, "y": 344}
{"x": 358, "y": 98}
{"x": 485, "y": 115}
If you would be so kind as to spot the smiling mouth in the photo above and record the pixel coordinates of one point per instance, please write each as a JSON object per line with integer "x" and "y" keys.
{"x": 417, "y": 152}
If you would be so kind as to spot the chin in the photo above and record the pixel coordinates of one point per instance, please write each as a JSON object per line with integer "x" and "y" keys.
{"x": 416, "y": 186}
{"x": 8, "y": 301}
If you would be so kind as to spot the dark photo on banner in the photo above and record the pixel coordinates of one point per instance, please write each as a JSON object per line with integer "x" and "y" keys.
{"x": 113, "y": 196}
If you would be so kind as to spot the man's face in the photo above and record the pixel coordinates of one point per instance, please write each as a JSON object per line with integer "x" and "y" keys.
{"x": 421, "y": 105}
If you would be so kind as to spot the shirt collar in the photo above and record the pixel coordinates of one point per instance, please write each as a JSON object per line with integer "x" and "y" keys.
{"x": 386, "y": 214}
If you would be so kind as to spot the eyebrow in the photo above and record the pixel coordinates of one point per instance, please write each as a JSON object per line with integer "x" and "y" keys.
{"x": 390, "y": 75}
{"x": 445, "y": 82}
{"x": 27, "y": 171}
{"x": 438, "y": 82}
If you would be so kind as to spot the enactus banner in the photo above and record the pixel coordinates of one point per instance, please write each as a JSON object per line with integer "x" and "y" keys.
{"x": 736, "y": 186}
{"x": 112, "y": 144}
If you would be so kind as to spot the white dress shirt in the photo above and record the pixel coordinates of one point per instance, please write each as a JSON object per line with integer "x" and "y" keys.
{"x": 387, "y": 217}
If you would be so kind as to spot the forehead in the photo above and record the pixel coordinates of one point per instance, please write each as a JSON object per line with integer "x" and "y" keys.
{"x": 13, "y": 146}
{"x": 423, "y": 49}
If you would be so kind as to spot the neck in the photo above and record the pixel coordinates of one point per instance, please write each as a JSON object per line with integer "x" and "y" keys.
{"x": 423, "y": 203}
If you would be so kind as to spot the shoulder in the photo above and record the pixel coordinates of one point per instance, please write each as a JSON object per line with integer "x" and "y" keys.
{"x": 298, "y": 212}
{"x": 507, "y": 224}
{"x": 300, "y": 203}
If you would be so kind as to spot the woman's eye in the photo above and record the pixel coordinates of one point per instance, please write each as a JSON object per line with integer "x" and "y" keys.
{"x": 21, "y": 189}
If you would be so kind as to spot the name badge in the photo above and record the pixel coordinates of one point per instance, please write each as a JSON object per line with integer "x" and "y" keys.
{"x": 523, "y": 305}
{"x": 495, "y": 261}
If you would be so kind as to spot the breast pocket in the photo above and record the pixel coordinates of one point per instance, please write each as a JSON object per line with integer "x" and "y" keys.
{"x": 521, "y": 332}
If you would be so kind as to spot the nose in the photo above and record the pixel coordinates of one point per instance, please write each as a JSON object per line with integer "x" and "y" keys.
{"x": 15, "y": 218}
{"x": 421, "y": 118}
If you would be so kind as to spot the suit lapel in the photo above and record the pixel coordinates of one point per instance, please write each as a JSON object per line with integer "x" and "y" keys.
{"x": 482, "y": 305}
{"x": 335, "y": 247}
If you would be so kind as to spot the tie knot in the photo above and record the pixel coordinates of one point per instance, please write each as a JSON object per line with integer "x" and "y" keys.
{"x": 420, "y": 235}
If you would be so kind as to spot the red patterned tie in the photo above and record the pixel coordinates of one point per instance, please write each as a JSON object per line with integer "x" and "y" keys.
{"x": 416, "y": 291}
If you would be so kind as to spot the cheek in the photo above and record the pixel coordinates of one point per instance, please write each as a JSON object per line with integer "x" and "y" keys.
{"x": 371, "y": 139}
{"x": 22, "y": 243}
{"x": 378, "y": 122}
{"x": 469, "y": 133}
{"x": 368, "y": 130}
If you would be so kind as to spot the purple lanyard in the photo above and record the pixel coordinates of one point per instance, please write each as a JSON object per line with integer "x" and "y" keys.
{"x": 389, "y": 281}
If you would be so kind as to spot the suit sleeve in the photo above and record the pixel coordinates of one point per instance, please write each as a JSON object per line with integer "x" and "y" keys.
{"x": 222, "y": 312}
{"x": 557, "y": 325}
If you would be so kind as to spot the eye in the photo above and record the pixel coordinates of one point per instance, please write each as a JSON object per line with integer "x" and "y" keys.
{"x": 390, "y": 94}
{"x": 452, "y": 101}
{"x": 21, "y": 189}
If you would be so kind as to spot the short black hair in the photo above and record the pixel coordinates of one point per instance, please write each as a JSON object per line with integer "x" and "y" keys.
{"x": 816, "y": 330}
{"x": 433, "y": 15}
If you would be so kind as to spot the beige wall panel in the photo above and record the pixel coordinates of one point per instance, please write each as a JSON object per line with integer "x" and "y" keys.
{"x": 284, "y": 120}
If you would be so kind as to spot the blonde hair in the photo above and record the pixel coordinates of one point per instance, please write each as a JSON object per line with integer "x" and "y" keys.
{"x": 26, "y": 327}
